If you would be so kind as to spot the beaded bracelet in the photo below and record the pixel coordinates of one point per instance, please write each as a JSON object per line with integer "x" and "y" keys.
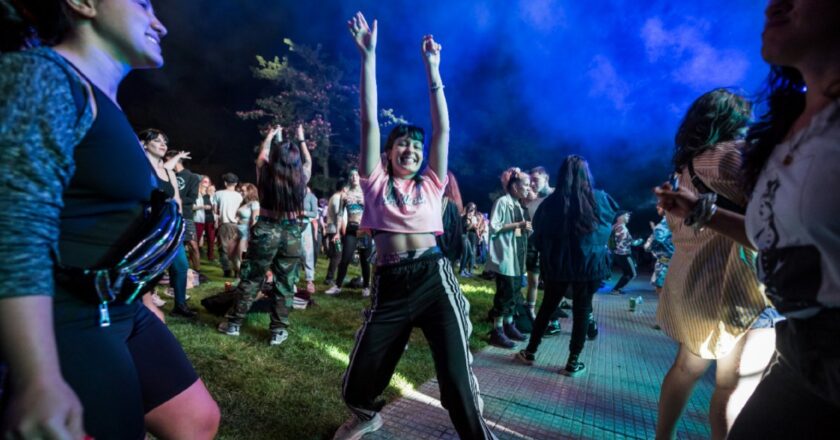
{"x": 703, "y": 211}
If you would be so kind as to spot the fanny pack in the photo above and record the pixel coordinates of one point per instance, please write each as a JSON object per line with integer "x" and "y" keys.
{"x": 158, "y": 244}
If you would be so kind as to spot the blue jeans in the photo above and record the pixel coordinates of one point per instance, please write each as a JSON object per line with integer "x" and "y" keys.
{"x": 468, "y": 255}
{"x": 178, "y": 277}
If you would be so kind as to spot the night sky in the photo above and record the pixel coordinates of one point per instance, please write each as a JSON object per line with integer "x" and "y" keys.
{"x": 527, "y": 81}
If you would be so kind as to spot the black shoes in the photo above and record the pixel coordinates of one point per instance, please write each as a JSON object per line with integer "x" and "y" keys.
{"x": 591, "y": 328}
{"x": 553, "y": 328}
{"x": 499, "y": 339}
{"x": 183, "y": 311}
{"x": 513, "y": 333}
{"x": 525, "y": 356}
{"x": 574, "y": 367}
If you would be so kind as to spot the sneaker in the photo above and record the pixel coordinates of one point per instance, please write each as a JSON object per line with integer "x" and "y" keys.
{"x": 553, "y": 328}
{"x": 591, "y": 329}
{"x": 299, "y": 303}
{"x": 277, "y": 337}
{"x": 183, "y": 311}
{"x": 574, "y": 367}
{"x": 565, "y": 305}
{"x": 333, "y": 291}
{"x": 513, "y": 333}
{"x": 310, "y": 287}
{"x": 525, "y": 356}
{"x": 499, "y": 339}
{"x": 354, "y": 428}
{"x": 366, "y": 292}
{"x": 228, "y": 328}
{"x": 157, "y": 301}
{"x": 617, "y": 292}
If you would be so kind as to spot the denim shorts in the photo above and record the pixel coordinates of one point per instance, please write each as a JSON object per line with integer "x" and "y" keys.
{"x": 767, "y": 319}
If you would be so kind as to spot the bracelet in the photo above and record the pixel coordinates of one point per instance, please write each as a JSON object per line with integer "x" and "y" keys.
{"x": 436, "y": 87}
{"x": 703, "y": 211}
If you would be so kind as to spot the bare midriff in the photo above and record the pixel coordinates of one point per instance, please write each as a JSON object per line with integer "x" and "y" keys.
{"x": 396, "y": 242}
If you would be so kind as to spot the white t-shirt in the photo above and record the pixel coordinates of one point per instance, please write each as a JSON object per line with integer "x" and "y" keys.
{"x": 228, "y": 202}
{"x": 793, "y": 219}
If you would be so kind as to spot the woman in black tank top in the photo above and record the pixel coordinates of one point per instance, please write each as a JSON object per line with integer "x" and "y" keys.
{"x": 80, "y": 194}
{"x": 156, "y": 144}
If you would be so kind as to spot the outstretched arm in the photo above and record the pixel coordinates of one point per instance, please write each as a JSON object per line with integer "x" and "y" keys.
{"x": 265, "y": 148}
{"x": 681, "y": 203}
{"x": 439, "y": 148}
{"x": 365, "y": 38}
{"x": 305, "y": 157}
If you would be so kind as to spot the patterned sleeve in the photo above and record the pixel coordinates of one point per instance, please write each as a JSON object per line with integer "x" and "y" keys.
{"x": 39, "y": 128}
{"x": 720, "y": 169}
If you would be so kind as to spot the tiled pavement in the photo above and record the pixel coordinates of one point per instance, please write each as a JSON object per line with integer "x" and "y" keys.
{"x": 615, "y": 398}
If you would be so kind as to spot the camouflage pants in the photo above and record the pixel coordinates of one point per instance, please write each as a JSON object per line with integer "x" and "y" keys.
{"x": 275, "y": 246}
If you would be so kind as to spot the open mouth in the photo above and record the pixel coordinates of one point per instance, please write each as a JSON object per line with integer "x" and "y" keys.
{"x": 408, "y": 161}
{"x": 153, "y": 38}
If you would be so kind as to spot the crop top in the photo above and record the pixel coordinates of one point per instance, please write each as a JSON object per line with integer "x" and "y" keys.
{"x": 403, "y": 206}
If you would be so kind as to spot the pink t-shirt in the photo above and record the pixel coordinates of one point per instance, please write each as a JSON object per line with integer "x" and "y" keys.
{"x": 403, "y": 206}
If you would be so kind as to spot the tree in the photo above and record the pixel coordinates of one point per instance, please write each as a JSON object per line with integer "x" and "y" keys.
{"x": 310, "y": 91}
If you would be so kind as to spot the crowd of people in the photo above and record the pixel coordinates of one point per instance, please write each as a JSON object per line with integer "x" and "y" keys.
{"x": 746, "y": 253}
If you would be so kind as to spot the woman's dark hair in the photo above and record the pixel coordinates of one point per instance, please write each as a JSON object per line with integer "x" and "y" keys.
{"x": 282, "y": 182}
{"x": 784, "y": 96}
{"x": 31, "y": 23}
{"x": 515, "y": 176}
{"x": 150, "y": 134}
{"x": 573, "y": 200}
{"x": 470, "y": 206}
{"x": 717, "y": 116}
{"x": 413, "y": 132}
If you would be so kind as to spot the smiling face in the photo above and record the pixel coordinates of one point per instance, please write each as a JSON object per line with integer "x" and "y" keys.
{"x": 406, "y": 156}
{"x": 799, "y": 30}
{"x": 156, "y": 147}
{"x": 521, "y": 189}
{"x": 130, "y": 32}
{"x": 354, "y": 179}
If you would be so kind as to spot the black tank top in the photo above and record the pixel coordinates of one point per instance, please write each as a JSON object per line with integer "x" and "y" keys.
{"x": 104, "y": 202}
{"x": 165, "y": 186}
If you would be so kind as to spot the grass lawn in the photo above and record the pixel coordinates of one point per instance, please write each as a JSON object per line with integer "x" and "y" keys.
{"x": 293, "y": 391}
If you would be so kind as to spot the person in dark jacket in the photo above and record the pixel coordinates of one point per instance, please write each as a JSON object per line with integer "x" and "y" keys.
{"x": 451, "y": 242}
{"x": 571, "y": 230}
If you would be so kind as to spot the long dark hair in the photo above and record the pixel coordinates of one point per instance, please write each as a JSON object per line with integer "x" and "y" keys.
{"x": 784, "y": 95}
{"x": 717, "y": 116}
{"x": 282, "y": 182}
{"x": 27, "y": 24}
{"x": 573, "y": 200}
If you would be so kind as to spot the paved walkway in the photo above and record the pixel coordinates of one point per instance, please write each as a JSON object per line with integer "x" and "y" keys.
{"x": 615, "y": 398}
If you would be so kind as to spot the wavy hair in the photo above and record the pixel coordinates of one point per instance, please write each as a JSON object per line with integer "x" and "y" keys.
{"x": 249, "y": 193}
{"x": 413, "y": 132}
{"x": 282, "y": 182}
{"x": 454, "y": 192}
{"x": 717, "y": 116}
{"x": 784, "y": 97}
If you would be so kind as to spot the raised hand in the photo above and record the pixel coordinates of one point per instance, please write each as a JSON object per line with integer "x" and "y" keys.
{"x": 299, "y": 133}
{"x": 363, "y": 35}
{"x": 431, "y": 51}
{"x": 679, "y": 203}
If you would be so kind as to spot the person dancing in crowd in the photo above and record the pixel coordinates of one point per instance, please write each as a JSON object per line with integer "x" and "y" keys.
{"x": 472, "y": 222}
{"x": 188, "y": 183}
{"x": 662, "y": 247}
{"x": 571, "y": 230}
{"x": 212, "y": 221}
{"x": 622, "y": 248}
{"x": 283, "y": 171}
{"x": 451, "y": 241}
{"x": 791, "y": 219}
{"x": 414, "y": 283}
{"x": 155, "y": 142}
{"x": 332, "y": 231}
{"x": 62, "y": 99}
{"x": 352, "y": 237}
{"x": 203, "y": 217}
{"x": 509, "y": 229}
{"x": 309, "y": 218}
{"x": 711, "y": 303}
{"x": 246, "y": 218}
{"x": 227, "y": 203}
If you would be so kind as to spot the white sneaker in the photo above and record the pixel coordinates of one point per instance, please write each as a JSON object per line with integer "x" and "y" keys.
{"x": 333, "y": 291}
{"x": 157, "y": 301}
{"x": 278, "y": 337}
{"x": 354, "y": 428}
{"x": 366, "y": 292}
